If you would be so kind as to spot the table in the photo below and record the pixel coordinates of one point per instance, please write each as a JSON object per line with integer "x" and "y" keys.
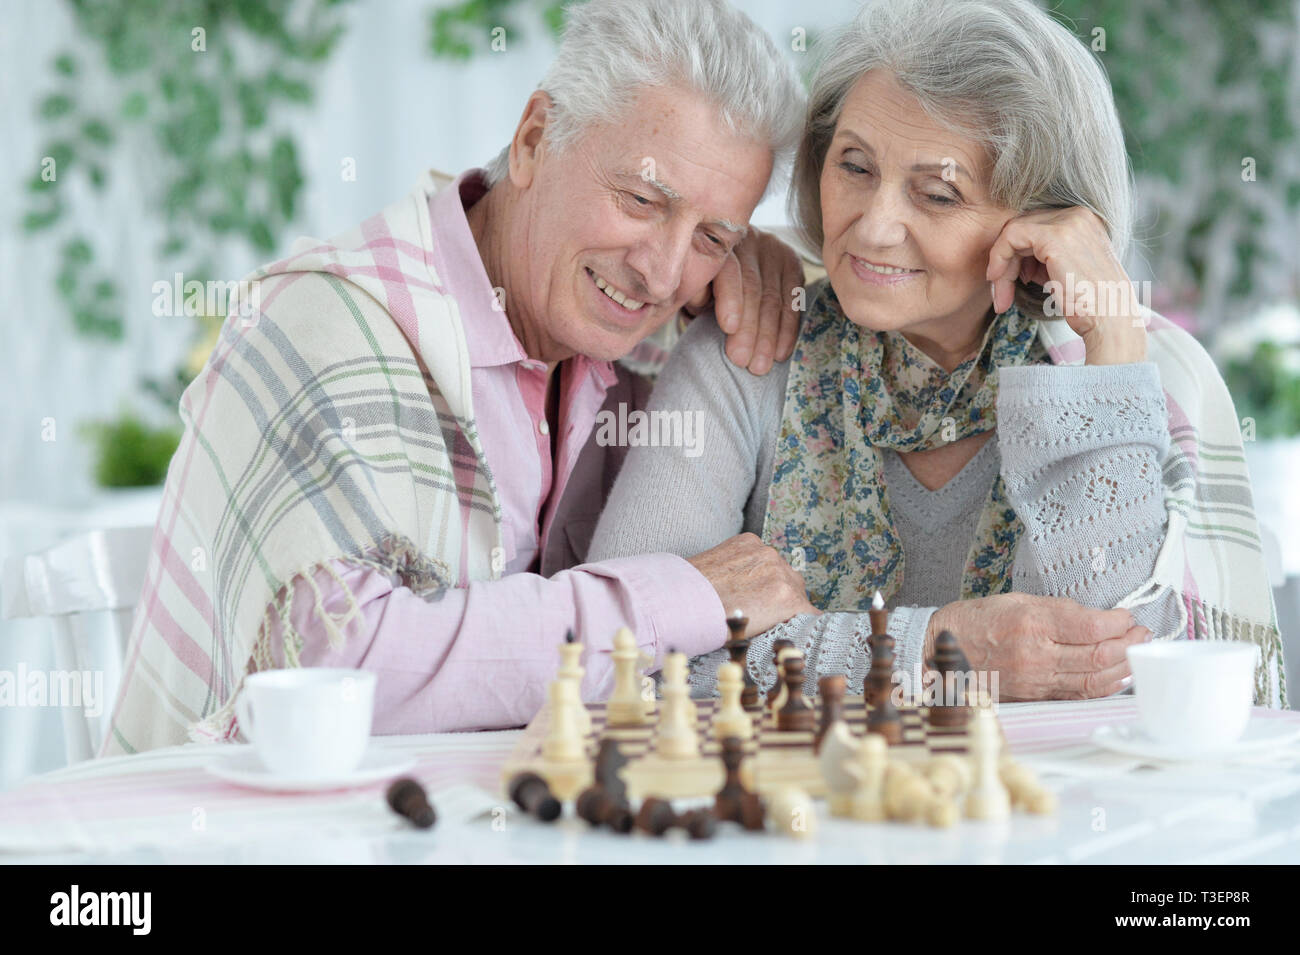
{"x": 162, "y": 807}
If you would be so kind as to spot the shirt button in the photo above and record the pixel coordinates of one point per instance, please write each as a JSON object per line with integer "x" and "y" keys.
{"x": 543, "y": 427}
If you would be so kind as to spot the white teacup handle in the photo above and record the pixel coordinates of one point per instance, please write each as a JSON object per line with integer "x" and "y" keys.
{"x": 244, "y": 715}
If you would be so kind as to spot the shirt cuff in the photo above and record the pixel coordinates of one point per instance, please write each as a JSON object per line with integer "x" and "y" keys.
{"x": 679, "y": 604}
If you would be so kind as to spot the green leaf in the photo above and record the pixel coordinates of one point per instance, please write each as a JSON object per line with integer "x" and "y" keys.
{"x": 135, "y": 105}
{"x": 77, "y": 252}
{"x": 295, "y": 90}
{"x": 39, "y": 184}
{"x": 35, "y": 221}
{"x": 252, "y": 104}
{"x": 223, "y": 222}
{"x": 56, "y": 105}
{"x": 285, "y": 175}
{"x": 65, "y": 64}
{"x": 181, "y": 195}
{"x": 259, "y": 233}
{"x": 97, "y": 131}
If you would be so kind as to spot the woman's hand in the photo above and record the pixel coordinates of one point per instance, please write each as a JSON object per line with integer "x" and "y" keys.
{"x": 1068, "y": 252}
{"x": 753, "y": 300}
{"x": 1043, "y": 648}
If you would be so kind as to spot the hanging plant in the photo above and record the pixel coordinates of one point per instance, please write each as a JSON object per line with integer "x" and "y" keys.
{"x": 197, "y": 94}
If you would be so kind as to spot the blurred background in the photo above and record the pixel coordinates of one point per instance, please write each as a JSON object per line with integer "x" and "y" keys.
{"x": 151, "y": 143}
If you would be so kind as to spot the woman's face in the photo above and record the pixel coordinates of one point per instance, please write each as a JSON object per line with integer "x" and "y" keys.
{"x": 907, "y": 220}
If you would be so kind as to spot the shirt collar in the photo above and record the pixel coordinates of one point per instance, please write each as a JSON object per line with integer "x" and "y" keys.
{"x": 488, "y": 335}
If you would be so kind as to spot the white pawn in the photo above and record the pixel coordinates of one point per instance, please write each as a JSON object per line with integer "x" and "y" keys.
{"x": 867, "y": 766}
{"x": 626, "y": 705}
{"x": 949, "y": 774}
{"x": 564, "y": 738}
{"x": 571, "y": 669}
{"x": 730, "y": 719}
{"x": 791, "y": 813}
{"x": 988, "y": 798}
{"x": 839, "y": 747}
{"x": 675, "y": 735}
{"x": 1025, "y": 788}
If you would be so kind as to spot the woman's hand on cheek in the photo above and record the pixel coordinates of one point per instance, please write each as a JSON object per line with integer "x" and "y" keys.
{"x": 1068, "y": 252}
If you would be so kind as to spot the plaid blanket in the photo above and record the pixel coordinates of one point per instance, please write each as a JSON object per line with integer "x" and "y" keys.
{"x": 331, "y": 422}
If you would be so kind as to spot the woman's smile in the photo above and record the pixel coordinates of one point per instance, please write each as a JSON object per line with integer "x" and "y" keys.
{"x": 880, "y": 273}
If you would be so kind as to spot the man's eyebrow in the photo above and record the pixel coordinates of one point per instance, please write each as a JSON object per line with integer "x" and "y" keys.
{"x": 948, "y": 163}
{"x": 672, "y": 195}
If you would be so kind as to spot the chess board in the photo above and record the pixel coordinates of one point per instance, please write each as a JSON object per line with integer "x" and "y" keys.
{"x": 774, "y": 758}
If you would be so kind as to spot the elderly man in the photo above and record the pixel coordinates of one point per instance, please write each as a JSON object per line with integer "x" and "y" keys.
{"x": 393, "y": 464}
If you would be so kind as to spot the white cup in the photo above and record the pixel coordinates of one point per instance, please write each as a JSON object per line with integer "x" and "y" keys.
{"x": 1194, "y": 694}
{"x": 308, "y": 723}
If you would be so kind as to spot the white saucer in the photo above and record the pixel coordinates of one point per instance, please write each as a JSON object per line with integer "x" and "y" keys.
{"x": 1260, "y": 736}
{"x": 244, "y": 768}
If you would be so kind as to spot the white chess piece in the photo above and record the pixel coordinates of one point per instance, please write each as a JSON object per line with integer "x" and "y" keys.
{"x": 791, "y": 813}
{"x": 949, "y": 774}
{"x": 1025, "y": 788}
{"x": 571, "y": 669}
{"x": 867, "y": 766}
{"x": 988, "y": 798}
{"x": 839, "y": 746}
{"x": 730, "y": 719}
{"x": 908, "y": 794}
{"x": 564, "y": 739}
{"x": 675, "y": 734}
{"x": 626, "y": 705}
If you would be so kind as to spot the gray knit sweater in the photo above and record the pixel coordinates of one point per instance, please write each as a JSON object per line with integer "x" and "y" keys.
{"x": 1079, "y": 449}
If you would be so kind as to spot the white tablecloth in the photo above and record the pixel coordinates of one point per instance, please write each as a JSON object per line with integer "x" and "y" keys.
{"x": 162, "y": 806}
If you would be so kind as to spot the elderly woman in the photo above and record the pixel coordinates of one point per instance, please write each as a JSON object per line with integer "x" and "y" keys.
{"x": 964, "y": 175}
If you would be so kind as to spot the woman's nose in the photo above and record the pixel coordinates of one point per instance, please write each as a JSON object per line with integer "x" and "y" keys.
{"x": 882, "y": 220}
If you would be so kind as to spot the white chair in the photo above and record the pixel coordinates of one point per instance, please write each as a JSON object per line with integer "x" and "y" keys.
{"x": 95, "y": 575}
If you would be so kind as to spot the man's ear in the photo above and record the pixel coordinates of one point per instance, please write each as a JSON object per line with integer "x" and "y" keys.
{"x": 526, "y": 146}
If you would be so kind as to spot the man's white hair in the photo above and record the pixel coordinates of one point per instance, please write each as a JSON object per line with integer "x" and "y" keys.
{"x": 1000, "y": 72}
{"x": 613, "y": 49}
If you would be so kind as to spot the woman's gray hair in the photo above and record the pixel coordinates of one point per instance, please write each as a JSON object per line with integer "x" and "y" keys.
{"x": 612, "y": 49}
{"x": 1000, "y": 72}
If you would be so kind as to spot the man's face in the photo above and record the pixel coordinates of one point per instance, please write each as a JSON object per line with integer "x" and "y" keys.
{"x": 634, "y": 219}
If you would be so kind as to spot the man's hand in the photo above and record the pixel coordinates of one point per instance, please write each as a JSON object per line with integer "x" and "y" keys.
{"x": 754, "y": 578}
{"x": 1044, "y": 648}
{"x": 753, "y": 299}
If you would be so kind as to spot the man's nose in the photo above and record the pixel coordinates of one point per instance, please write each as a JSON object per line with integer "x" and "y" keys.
{"x": 882, "y": 219}
{"x": 659, "y": 260}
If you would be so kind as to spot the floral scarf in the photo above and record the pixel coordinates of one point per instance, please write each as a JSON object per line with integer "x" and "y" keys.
{"x": 829, "y": 508}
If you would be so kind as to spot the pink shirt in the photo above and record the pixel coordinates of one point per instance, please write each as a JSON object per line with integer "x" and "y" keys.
{"x": 482, "y": 656}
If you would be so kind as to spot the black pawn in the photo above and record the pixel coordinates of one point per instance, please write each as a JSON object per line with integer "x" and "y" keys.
{"x": 407, "y": 798}
{"x": 532, "y": 794}
{"x": 796, "y": 715}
